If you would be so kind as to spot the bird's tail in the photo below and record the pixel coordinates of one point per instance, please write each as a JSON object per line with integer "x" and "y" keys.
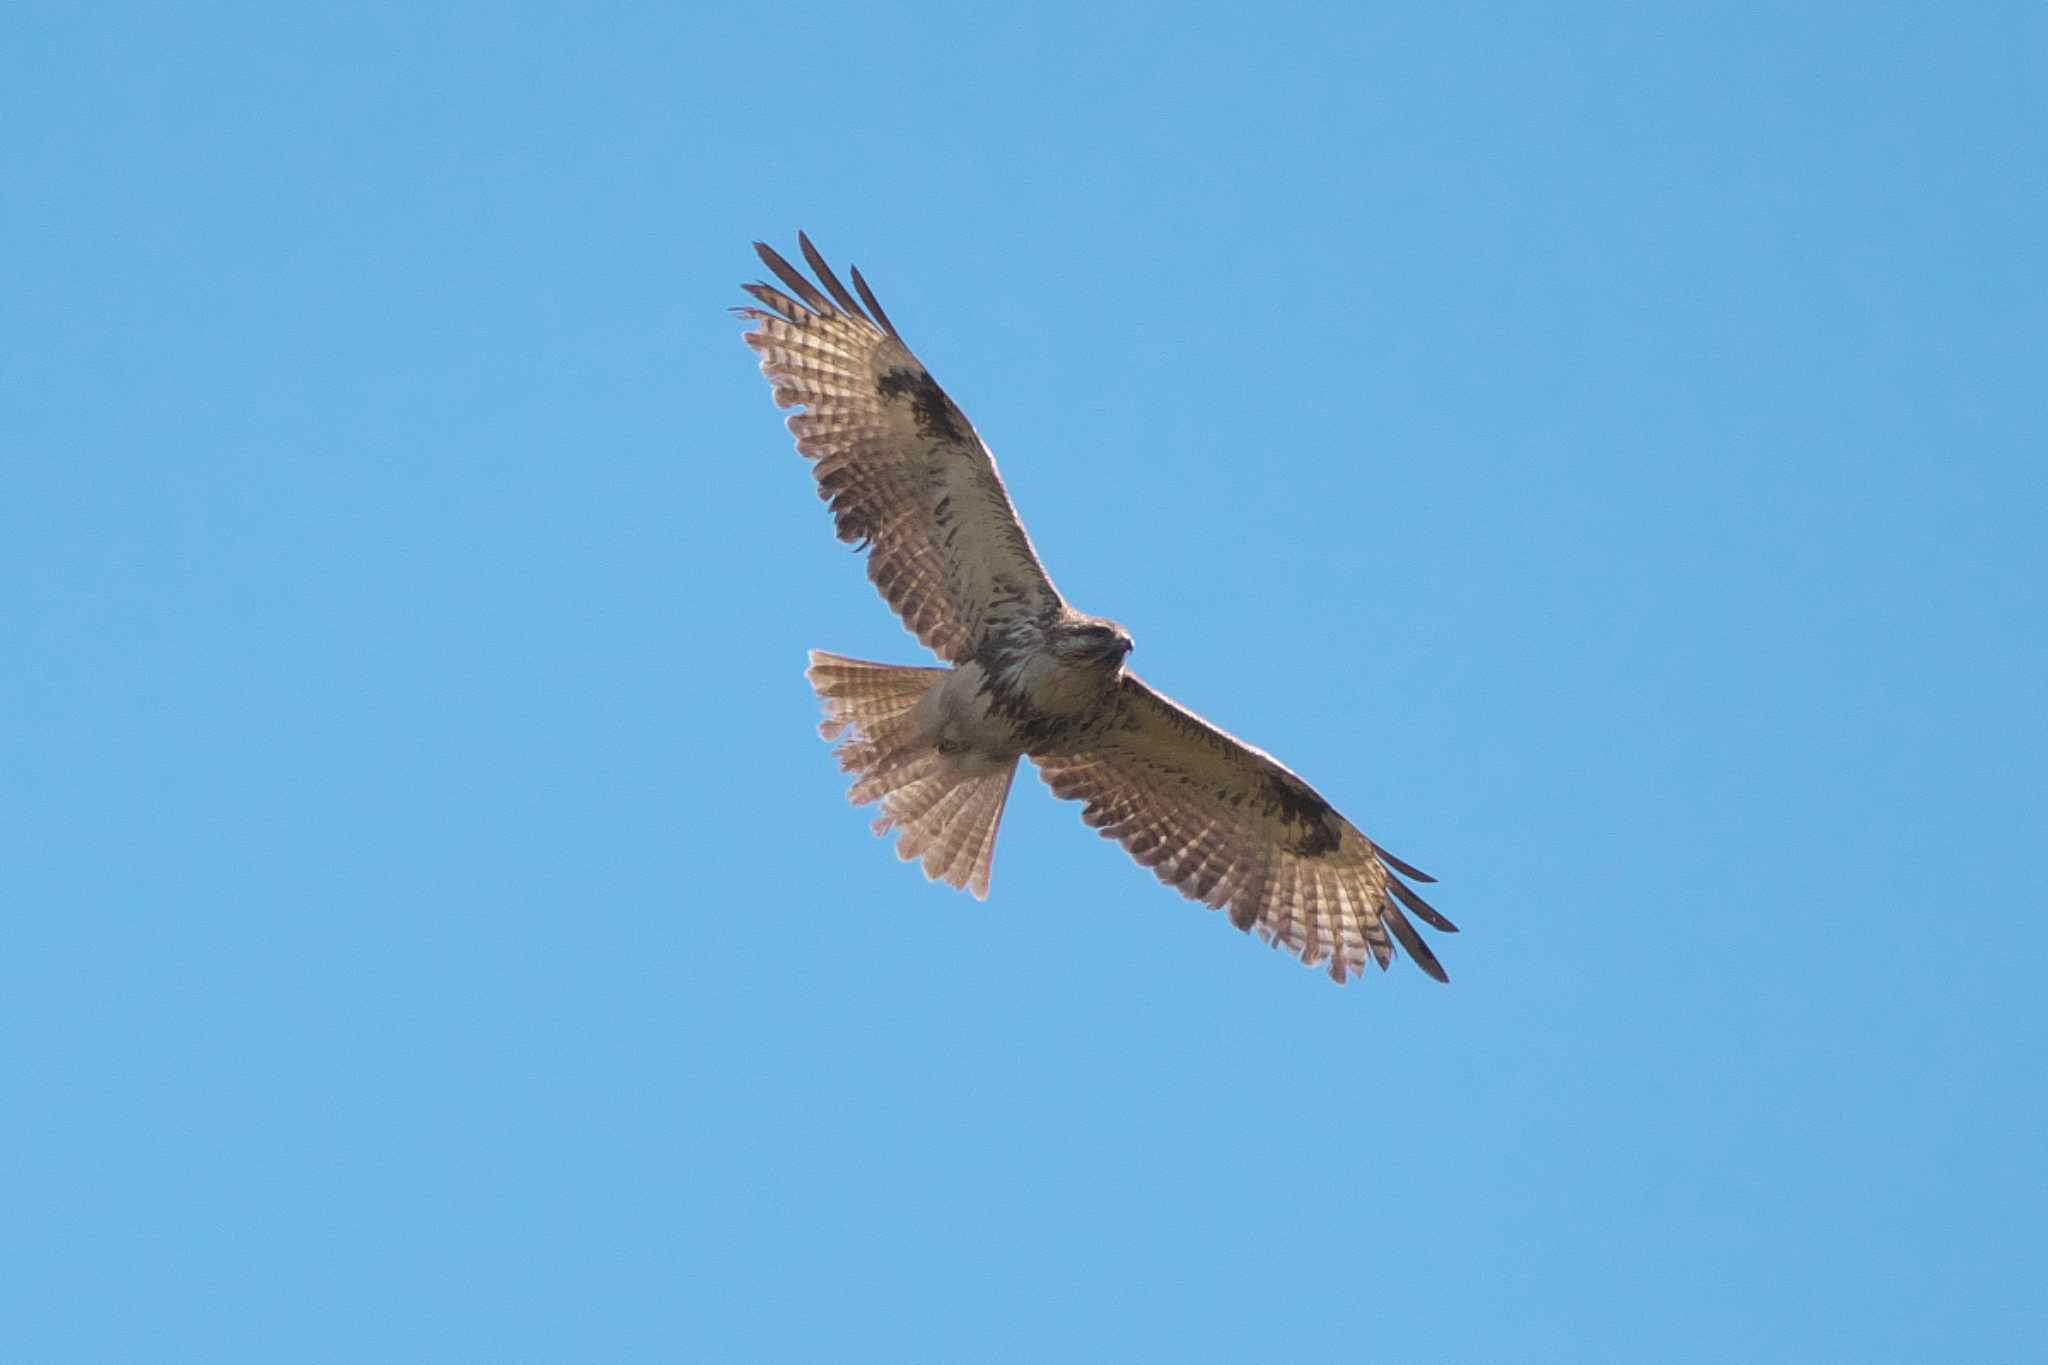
{"x": 946, "y": 806}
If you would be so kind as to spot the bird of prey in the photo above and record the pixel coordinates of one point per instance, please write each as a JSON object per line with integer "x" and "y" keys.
{"x": 1029, "y": 676}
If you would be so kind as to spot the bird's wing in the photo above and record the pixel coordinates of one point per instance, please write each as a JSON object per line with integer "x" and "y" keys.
{"x": 1227, "y": 825}
{"x": 901, "y": 465}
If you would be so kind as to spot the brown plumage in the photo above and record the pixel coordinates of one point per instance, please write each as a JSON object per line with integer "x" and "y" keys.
{"x": 908, "y": 478}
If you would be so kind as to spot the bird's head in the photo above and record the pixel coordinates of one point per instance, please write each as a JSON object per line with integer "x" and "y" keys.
{"x": 1093, "y": 640}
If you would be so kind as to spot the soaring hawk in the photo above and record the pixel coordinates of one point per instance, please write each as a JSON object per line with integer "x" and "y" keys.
{"x": 1029, "y": 676}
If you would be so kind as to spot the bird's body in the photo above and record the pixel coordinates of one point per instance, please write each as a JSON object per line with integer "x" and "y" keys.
{"x": 1023, "y": 699}
{"x": 1029, "y": 676}
{"x": 1052, "y": 685}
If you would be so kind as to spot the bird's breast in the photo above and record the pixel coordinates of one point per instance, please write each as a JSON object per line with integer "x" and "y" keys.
{"x": 1050, "y": 706}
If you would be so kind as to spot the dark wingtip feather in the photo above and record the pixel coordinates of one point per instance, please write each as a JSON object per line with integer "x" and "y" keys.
{"x": 1405, "y": 869}
{"x": 831, "y": 281}
{"x": 792, "y": 277}
{"x": 1412, "y": 943}
{"x": 867, "y": 296}
{"x": 1429, "y": 914}
{"x": 783, "y": 306}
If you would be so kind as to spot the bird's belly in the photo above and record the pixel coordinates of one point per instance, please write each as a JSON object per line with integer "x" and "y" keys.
{"x": 964, "y": 718}
{"x": 1045, "y": 710}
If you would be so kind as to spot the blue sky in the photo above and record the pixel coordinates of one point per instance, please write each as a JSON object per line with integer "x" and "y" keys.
{"x": 1599, "y": 446}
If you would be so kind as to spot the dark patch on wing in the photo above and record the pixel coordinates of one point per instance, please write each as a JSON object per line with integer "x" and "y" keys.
{"x": 936, "y": 415}
{"x": 1297, "y": 804}
{"x": 1314, "y": 841}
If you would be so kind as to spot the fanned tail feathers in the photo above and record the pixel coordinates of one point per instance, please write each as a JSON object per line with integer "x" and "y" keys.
{"x": 946, "y": 811}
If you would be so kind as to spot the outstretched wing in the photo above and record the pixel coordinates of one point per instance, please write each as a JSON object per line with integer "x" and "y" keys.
{"x": 1229, "y": 826}
{"x": 901, "y": 465}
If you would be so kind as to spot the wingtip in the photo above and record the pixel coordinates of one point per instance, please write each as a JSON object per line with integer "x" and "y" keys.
{"x": 1406, "y": 869}
{"x": 1428, "y": 913}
